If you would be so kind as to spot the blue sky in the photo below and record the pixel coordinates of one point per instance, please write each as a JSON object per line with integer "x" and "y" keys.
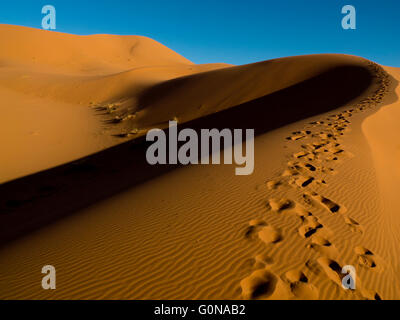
{"x": 231, "y": 31}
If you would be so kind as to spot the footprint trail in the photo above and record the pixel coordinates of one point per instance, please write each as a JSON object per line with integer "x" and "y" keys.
{"x": 310, "y": 168}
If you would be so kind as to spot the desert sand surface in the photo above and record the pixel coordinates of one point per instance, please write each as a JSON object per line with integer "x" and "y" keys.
{"x": 78, "y": 194}
{"x": 51, "y": 82}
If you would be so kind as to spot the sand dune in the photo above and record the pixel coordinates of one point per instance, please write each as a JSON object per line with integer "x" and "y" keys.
{"x": 210, "y": 92}
{"x": 321, "y": 197}
{"x": 49, "y": 80}
{"x": 77, "y": 55}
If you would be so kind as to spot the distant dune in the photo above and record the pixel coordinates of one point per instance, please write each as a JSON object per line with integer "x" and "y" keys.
{"x": 49, "y": 80}
{"x": 77, "y": 192}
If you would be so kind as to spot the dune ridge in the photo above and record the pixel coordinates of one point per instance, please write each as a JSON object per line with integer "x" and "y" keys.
{"x": 213, "y": 91}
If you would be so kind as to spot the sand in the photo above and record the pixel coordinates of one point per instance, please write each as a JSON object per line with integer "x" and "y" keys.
{"x": 323, "y": 194}
{"x": 50, "y": 84}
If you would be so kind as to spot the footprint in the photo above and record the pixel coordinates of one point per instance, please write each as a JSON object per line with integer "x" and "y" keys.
{"x": 298, "y": 166}
{"x": 354, "y": 225}
{"x": 300, "y": 287}
{"x": 341, "y": 128}
{"x": 310, "y": 226}
{"x": 303, "y": 182}
{"x": 371, "y": 295}
{"x": 288, "y": 206}
{"x": 254, "y": 225}
{"x": 334, "y": 151}
{"x": 328, "y": 170}
{"x": 295, "y": 167}
{"x": 296, "y": 275}
{"x": 290, "y": 172}
{"x": 316, "y": 123}
{"x": 279, "y": 205}
{"x": 366, "y": 258}
{"x": 269, "y": 234}
{"x": 326, "y": 136}
{"x": 315, "y": 146}
{"x": 332, "y": 269}
{"x": 261, "y": 284}
{"x": 274, "y": 184}
{"x": 300, "y": 155}
{"x": 310, "y": 167}
{"x": 296, "y": 137}
{"x": 326, "y": 203}
{"x": 320, "y": 241}
{"x": 332, "y": 158}
{"x": 313, "y": 266}
{"x": 310, "y": 156}
{"x": 323, "y": 246}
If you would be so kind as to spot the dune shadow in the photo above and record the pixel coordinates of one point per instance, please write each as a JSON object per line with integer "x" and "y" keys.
{"x": 37, "y": 200}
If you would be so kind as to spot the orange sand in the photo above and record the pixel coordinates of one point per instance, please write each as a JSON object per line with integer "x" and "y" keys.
{"x": 323, "y": 194}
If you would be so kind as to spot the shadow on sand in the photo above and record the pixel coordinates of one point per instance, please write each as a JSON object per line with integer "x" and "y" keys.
{"x": 34, "y": 201}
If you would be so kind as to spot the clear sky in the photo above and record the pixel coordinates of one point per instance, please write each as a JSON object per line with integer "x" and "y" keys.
{"x": 231, "y": 31}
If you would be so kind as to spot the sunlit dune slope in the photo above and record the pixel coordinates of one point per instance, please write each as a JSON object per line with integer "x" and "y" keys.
{"x": 48, "y": 80}
{"x": 72, "y": 54}
{"x": 73, "y": 68}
